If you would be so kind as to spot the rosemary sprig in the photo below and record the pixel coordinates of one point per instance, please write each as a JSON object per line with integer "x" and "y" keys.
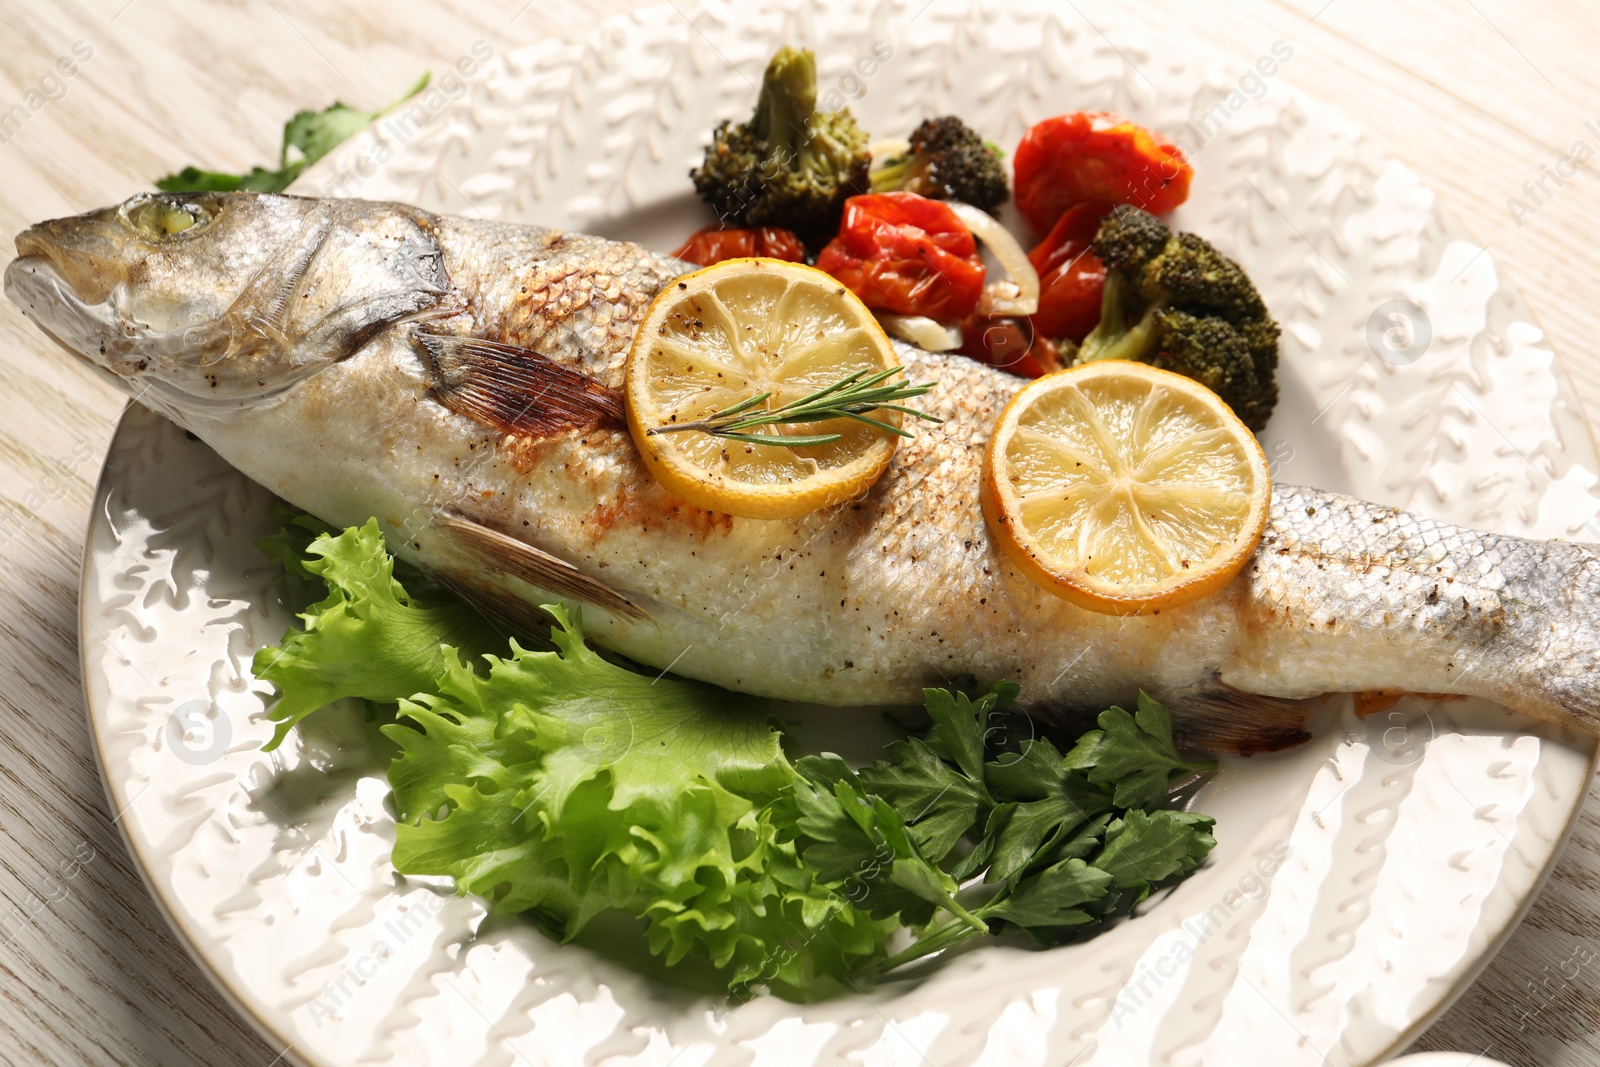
{"x": 851, "y": 397}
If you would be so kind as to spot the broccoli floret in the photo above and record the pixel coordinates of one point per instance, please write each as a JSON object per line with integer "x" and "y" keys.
{"x": 1216, "y": 355}
{"x": 1174, "y": 301}
{"x": 1261, "y": 337}
{"x": 790, "y": 165}
{"x": 1198, "y": 277}
{"x": 1129, "y": 239}
{"x": 947, "y": 161}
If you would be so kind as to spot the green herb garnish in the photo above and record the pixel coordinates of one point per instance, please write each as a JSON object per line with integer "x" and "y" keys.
{"x": 307, "y": 137}
{"x": 1067, "y": 842}
{"x": 850, "y": 397}
{"x": 563, "y": 785}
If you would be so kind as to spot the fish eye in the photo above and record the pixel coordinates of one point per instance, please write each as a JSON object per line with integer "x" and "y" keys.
{"x": 163, "y": 216}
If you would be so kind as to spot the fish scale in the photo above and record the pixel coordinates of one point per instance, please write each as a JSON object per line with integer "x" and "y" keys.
{"x": 432, "y": 372}
{"x": 1478, "y": 614}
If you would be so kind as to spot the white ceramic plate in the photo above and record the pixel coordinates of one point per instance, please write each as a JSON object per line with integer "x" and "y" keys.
{"x": 1360, "y": 882}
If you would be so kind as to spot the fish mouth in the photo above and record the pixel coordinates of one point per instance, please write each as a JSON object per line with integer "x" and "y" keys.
{"x": 121, "y": 353}
{"x": 90, "y": 275}
{"x": 34, "y": 282}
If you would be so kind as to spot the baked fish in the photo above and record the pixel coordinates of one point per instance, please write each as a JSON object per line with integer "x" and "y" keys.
{"x": 459, "y": 380}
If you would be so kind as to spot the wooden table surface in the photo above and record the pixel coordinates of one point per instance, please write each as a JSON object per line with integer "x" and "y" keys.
{"x": 1480, "y": 97}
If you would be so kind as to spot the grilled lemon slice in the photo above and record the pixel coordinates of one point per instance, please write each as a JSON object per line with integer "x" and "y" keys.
{"x": 720, "y": 336}
{"x": 1123, "y": 488}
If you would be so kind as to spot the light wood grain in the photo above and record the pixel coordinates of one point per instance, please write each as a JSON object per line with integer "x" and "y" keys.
{"x": 1475, "y": 96}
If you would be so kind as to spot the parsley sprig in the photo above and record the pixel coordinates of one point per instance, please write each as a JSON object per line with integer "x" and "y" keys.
{"x": 1061, "y": 843}
{"x": 307, "y": 137}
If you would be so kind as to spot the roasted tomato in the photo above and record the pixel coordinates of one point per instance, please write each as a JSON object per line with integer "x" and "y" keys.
{"x": 1071, "y": 276}
{"x": 904, "y": 253}
{"x": 1010, "y": 343}
{"x": 1096, "y": 155}
{"x": 713, "y": 245}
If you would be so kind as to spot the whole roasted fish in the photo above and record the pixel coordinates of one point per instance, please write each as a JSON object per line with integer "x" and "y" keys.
{"x": 458, "y": 380}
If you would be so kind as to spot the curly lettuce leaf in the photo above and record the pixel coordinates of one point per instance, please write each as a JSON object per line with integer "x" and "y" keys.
{"x": 562, "y": 783}
{"x": 370, "y": 638}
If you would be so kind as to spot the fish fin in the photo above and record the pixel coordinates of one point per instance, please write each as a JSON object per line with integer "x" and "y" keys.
{"x": 503, "y": 610}
{"x": 513, "y": 389}
{"x": 1209, "y": 718}
{"x": 536, "y": 567}
{"x": 1218, "y": 719}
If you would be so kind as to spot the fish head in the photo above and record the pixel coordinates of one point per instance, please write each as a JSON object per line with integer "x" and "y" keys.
{"x": 212, "y": 300}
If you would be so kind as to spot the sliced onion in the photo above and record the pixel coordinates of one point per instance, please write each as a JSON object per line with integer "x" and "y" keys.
{"x": 922, "y": 332}
{"x": 1019, "y": 296}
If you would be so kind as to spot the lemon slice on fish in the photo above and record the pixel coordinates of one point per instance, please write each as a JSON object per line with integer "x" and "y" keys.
{"x": 1123, "y": 488}
{"x": 717, "y": 338}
